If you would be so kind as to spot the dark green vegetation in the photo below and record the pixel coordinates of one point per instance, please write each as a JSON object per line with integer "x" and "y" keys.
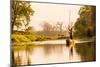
{"x": 21, "y": 12}
{"x": 85, "y": 25}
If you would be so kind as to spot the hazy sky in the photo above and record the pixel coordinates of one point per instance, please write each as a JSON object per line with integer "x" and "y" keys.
{"x": 53, "y": 13}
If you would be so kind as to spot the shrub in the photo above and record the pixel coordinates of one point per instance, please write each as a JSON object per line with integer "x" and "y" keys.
{"x": 31, "y": 37}
{"x": 40, "y": 38}
{"x": 20, "y": 38}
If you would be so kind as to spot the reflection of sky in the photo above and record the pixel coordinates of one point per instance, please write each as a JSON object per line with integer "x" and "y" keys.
{"x": 48, "y": 54}
{"x": 53, "y": 13}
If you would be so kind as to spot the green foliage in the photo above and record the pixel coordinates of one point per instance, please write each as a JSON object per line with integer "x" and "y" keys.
{"x": 20, "y": 38}
{"x": 31, "y": 37}
{"x": 21, "y": 12}
{"x": 85, "y": 24}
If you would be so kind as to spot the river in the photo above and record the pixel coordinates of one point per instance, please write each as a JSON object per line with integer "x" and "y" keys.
{"x": 56, "y": 51}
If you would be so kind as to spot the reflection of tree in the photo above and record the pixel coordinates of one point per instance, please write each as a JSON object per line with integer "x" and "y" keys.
{"x": 18, "y": 60}
{"x": 86, "y": 51}
{"x": 71, "y": 51}
{"x": 28, "y": 51}
{"x": 49, "y": 49}
{"x": 12, "y": 60}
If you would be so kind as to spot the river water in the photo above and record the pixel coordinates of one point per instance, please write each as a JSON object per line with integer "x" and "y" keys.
{"x": 53, "y": 53}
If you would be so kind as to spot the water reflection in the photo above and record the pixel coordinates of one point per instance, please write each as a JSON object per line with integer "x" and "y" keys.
{"x": 42, "y": 54}
{"x": 28, "y": 51}
{"x": 49, "y": 49}
{"x": 86, "y": 51}
{"x": 71, "y": 52}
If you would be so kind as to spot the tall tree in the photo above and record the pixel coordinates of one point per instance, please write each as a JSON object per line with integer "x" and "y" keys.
{"x": 21, "y": 12}
{"x": 85, "y": 24}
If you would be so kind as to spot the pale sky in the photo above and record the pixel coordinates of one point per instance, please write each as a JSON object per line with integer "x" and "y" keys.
{"x": 53, "y": 13}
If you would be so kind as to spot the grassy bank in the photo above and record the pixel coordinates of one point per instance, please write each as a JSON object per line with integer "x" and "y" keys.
{"x": 18, "y": 38}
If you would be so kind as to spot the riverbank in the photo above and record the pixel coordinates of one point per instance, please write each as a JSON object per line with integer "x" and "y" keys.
{"x": 19, "y": 39}
{"x": 47, "y": 42}
{"x": 28, "y": 38}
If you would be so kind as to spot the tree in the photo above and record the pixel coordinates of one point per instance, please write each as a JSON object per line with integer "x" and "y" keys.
{"x": 85, "y": 24}
{"x": 59, "y": 26}
{"x": 70, "y": 31}
{"x": 21, "y": 12}
{"x": 30, "y": 29}
{"x": 46, "y": 27}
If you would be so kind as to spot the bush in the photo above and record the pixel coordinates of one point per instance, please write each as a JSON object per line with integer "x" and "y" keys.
{"x": 31, "y": 37}
{"x": 40, "y": 38}
{"x": 20, "y": 38}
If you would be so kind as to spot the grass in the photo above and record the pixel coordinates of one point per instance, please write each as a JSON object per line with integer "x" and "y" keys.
{"x": 27, "y": 38}
{"x": 19, "y": 38}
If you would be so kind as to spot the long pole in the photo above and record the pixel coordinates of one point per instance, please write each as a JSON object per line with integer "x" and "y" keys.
{"x": 69, "y": 15}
